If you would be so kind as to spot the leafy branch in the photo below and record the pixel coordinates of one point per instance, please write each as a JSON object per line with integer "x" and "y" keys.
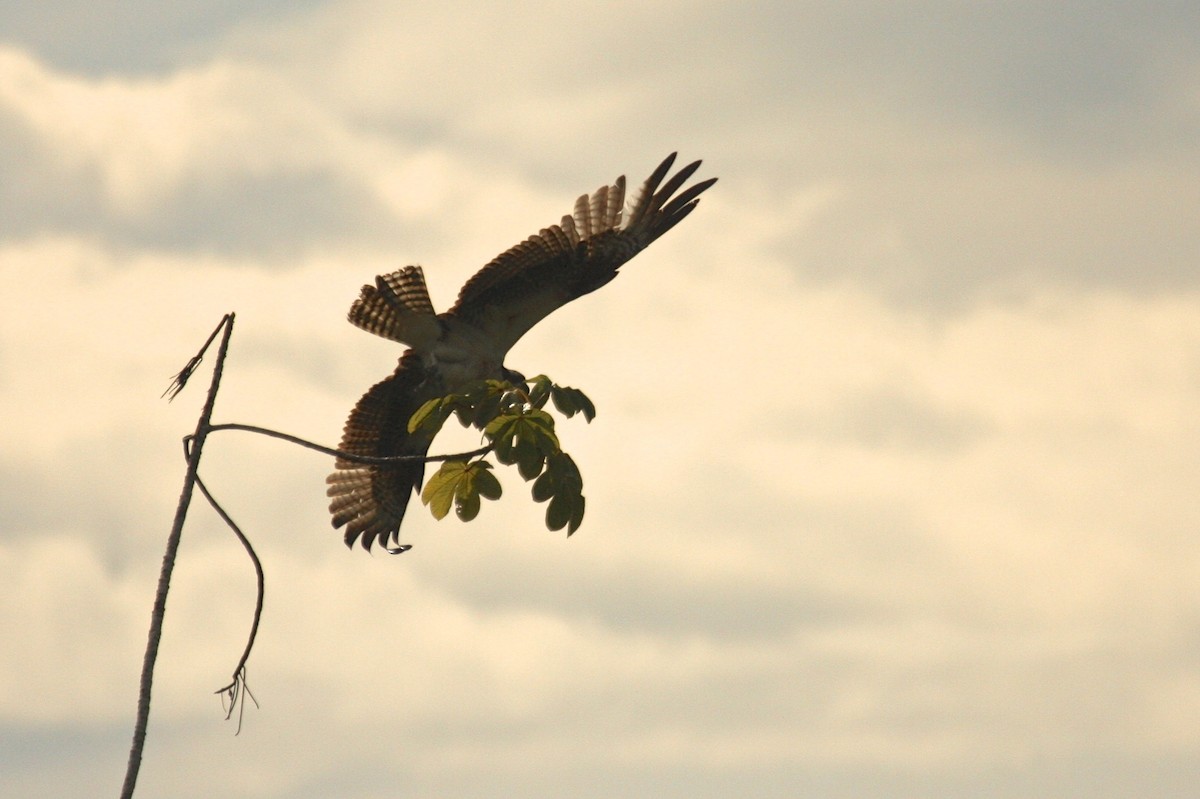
{"x": 521, "y": 433}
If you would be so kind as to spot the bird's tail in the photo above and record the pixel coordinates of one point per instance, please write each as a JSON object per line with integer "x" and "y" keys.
{"x": 398, "y": 307}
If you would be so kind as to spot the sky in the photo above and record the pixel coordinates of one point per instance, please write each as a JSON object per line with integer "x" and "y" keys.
{"x": 891, "y": 486}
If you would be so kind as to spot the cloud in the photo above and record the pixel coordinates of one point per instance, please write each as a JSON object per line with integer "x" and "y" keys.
{"x": 890, "y": 486}
{"x": 135, "y": 37}
{"x": 209, "y": 160}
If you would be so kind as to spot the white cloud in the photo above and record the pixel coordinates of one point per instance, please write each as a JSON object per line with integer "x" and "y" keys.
{"x": 829, "y": 533}
{"x": 143, "y": 136}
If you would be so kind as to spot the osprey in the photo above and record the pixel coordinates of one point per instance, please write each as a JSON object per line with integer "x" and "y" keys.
{"x": 467, "y": 343}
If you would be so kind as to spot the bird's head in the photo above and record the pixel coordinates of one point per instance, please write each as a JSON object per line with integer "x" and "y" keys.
{"x": 512, "y": 376}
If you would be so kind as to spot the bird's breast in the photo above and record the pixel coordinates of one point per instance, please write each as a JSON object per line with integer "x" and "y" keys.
{"x": 459, "y": 365}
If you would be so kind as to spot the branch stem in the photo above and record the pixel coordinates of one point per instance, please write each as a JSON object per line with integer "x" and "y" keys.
{"x": 349, "y": 456}
{"x": 168, "y": 565}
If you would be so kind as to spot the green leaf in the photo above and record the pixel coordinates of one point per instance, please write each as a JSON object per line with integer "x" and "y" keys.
{"x": 562, "y": 485}
{"x": 529, "y": 458}
{"x": 499, "y": 428}
{"x": 440, "y": 489}
{"x": 566, "y": 473}
{"x": 564, "y": 510}
{"x": 429, "y": 416}
{"x": 576, "y": 515}
{"x": 460, "y": 485}
{"x": 586, "y": 406}
{"x": 570, "y": 401}
{"x": 537, "y": 416}
{"x": 502, "y": 433}
{"x": 538, "y": 426}
{"x": 487, "y": 410}
{"x": 476, "y": 404}
{"x": 564, "y": 402}
{"x": 466, "y": 499}
{"x": 544, "y": 487}
{"x": 486, "y": 482}
{"x": 539, "y": 391}
{"x": 558, "y": 514}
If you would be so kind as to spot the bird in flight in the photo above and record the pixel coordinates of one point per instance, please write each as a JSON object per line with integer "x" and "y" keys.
{"x": 497, "y": 306}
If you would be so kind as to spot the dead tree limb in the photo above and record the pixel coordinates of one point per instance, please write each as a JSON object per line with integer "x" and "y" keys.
{"x": 168, "y": 566}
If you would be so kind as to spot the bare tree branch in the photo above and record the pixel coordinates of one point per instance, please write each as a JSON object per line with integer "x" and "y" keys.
{"x": 350, "y": 456}
{"x": 168, "y": 566}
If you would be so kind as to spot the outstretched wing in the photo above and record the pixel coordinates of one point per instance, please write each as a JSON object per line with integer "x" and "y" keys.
{"x": 397, "y": 307}
{"x": 371, "y": 499}
{"x": 577, "y": 256}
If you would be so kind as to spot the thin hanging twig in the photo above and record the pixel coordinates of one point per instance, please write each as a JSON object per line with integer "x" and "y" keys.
{"x": 168, "y": 566}
{"x": 237, "y": 690}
